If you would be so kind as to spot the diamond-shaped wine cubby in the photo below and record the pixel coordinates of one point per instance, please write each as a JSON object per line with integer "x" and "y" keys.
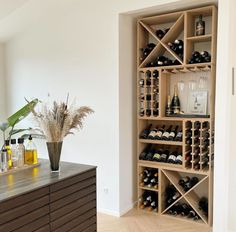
{"x": 185, "y": 188}
{"x": 164, "y": 30}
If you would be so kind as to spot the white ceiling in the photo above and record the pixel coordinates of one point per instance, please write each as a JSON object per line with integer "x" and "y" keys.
{"x": 9, "y": 6}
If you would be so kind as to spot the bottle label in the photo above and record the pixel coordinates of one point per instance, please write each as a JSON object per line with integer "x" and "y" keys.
{"x": 152, "y": 133}
{"x": 164, "y": 156}
{"x": 166, "y": 134}
{"x": 159, "y": 134}
{"x": 179, "y": 157}
{"x": 172, "y": 157}
{"x": 157, "y": 156}
{"x": 172, "y": 134}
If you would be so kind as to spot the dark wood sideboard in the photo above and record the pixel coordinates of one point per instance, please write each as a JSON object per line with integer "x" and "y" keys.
{"x": 40, "y": 201}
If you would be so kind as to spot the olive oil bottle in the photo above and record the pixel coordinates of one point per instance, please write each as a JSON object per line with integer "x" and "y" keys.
{"x": 31, "y": 155}
{"x": 8, "y": 148}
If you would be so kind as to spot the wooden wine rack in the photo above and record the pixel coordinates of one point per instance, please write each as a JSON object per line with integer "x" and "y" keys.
{"x": 182, "y": 25}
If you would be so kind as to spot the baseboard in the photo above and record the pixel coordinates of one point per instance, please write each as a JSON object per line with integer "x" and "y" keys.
{"x": 115, "y": 213}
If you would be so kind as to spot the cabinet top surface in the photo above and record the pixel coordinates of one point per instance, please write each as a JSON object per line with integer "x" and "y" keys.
{"x": 27, "y": 180}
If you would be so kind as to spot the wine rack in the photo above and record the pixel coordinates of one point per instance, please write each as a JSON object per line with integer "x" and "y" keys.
{"x": 164, "y": 62}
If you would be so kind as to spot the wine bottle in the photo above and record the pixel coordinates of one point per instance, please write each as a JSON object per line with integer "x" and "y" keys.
{"x": 175, "y": 104}
{"x": 184, "y": 180}
{"x": 150, "y": 154}
{"x": 193, "y": 215}
{"x": 157, "y": 156}
{"x": 148, "y": 112}
{"x": 164, "y": 156}
{"x": 173, "y": 198}
{"x": 203, "y": 205}
{"x": 173, "y": 133}
{"x": 193, "y": 181}
{"x": 145, "y": 132}
{"x": 141, "y": 112}
{"x": 179, "y": 159}
{"x": 146, "y": 181}
{"x": 176, "y": 209}
{"x": 152, "y": 133}
{"x": 200, "y": 26}
{"x": 179, "y": 136}
{"x": 166, "y": 134}
{"x": 144, "y": 153}
{"x": 189, "y": 141}
{"x": 155, "y": 74}
{"x": 151, "y": 46}
{"x": 159, "y": 133}
{"x": 197, "y": 125}
{"x": 168, "y": 107}
{"x": 206, "y": 142}
{"x": 185, "y": 209}
{"x": 189, "y": 133}
{"x": 160, "y": 34}
{"x": 172, "y": 157}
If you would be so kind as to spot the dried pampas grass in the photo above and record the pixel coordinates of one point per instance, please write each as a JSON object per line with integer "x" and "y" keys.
{"x": 57, "y": 121}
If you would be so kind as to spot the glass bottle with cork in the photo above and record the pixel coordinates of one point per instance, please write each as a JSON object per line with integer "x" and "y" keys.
{"x": 14, "y": 155}
{"x": 31, "y": 156}
{"x": 21, "y": 152}
{"x": 8, "y": 150}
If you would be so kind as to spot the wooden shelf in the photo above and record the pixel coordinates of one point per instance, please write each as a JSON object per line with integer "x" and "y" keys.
{"x": 147, "y": 188}
{"x": 161, "y": 142}
{"x": 182, "y": 26}
{"x": 202, "y": 38}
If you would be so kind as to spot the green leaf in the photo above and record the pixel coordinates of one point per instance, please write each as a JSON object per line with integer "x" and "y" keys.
{"x": 22, "y": 113}
{"x": 16, "y": 131}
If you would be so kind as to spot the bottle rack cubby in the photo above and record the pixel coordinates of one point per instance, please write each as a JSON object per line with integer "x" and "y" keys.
{"x": 191, "y": 197}
{"x": 157, "y": 78}
{"x": 148, "y": 93}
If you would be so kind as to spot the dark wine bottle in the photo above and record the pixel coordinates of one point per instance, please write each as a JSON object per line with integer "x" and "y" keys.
{"x": 179, "y": 136}
{"x": 184, "y": 180}
{"x": 200, "y": 26}
{"x": 160, "y": 34}
{"x": 179, "y": 159}
{"x": 164, "y": 156}
{"x": 141, "y": 112}
{"x": 185, "y": 209}
{"x": 155, "y": 74}
{"x": 144, "y": 153}
{"x": 152, "y": 133}
{"x": 157, "y": 156}
{"x": 145, "y": 132}
{"x": 203, "y": 205}
{"x": 166, "y": 134}
{"x": 150, "y": 154}
{"x": 176, "y": 209}
{"x": 172, "y": 157}
{"x": 175, "y": 104}
{"x": 173, "y": 133}
{"x": 148, "y": 112}
{"x": 159, "y": 133}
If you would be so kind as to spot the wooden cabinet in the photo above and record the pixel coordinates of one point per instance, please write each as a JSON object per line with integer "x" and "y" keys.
{"x": 155, "y": 82}
{"x": 36, "y": 200}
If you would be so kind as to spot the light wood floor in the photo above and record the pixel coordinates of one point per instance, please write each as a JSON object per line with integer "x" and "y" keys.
{"x": 137, "y": 221}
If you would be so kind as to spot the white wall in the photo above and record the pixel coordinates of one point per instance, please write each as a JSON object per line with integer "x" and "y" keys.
{"x": 73, "y": 46}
